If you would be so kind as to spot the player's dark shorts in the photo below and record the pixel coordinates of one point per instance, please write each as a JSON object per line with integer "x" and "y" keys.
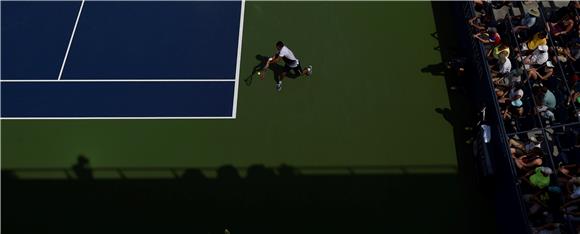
{"x": 297, "y": 70}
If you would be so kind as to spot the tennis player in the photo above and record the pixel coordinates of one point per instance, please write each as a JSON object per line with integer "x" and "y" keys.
{"x": 291, "y": 64}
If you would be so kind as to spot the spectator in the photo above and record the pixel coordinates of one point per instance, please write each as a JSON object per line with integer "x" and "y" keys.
{"x": 569, "y": 171}
{"x": 482, "y": 5}
{"x": 538, "y": 57}
{"x": 536, "y": 202}
{"x": 516, "y": 96}
{"x": 548, "y": 228}
{"x": 561, "y": 27}
{"x": 565, "y": 54}
{"x": 573, "y": 187}
{"x": 530, "y": 160}
{"x": 489, "y": 37}
{"x": 498, "y": 52}
{"x": 571, "y": 210}
{"x": 502, "y": 68}
{"x": 522, "y": 148}
{"x": 481, "y": 22}
{"x": 501, "y": 94}
{"x": 540, "y": 38}
{"x": 543, "y": 73}
{"x": 511, "y": 79}
{"x": 539, "y": 177}
{"x": 500, "y": 3}
{"x": 573, "y": 98}
{"x": 545, "y": 112}
{"x": 526, "y": 22}
{"x": 574, "y": 5}
{"x": 546, "y": 96}
{"x": 82, "y": 169}
{"x": 506, "y": 115}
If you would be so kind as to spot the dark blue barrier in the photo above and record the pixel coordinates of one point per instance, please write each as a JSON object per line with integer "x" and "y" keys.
{"x": 511, "y": 215}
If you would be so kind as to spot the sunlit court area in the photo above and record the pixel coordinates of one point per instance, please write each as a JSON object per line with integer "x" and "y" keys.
{"x": 290, "y": 116}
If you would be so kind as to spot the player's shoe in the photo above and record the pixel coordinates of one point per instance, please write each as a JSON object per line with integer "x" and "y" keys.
{"x": 278, "y": 87}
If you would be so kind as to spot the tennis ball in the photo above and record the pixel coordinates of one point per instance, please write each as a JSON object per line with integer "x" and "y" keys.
{"x": 259, "y": 73}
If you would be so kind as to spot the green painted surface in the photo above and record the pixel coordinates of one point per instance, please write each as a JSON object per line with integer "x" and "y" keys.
{"x": 367, "y": 103}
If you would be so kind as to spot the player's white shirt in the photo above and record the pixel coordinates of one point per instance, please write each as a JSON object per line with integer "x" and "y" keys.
{"x": 287, "y": 53}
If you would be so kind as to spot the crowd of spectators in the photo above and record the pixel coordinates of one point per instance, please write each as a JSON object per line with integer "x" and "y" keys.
{"x": 533, "y": 59}
{"x": 533, "y": 55}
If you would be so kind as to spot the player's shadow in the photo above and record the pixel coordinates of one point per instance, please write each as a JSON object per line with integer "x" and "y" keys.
{"x": 276, "y": 69}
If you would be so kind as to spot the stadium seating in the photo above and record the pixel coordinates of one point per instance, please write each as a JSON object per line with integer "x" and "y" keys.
{"x": 537, "y": 101}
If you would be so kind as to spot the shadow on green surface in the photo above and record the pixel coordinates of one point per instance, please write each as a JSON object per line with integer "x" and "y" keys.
{"x": 265, "y": 200}
{"x": 277, "y": 70}
{"x": 435, "y": 69}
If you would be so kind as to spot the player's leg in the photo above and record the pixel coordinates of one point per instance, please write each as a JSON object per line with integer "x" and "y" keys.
{"x": 298, "y": 70}
{"x": 282, "y": 76}
{"x": 303, "y": 72}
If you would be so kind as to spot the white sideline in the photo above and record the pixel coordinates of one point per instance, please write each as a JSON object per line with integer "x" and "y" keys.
{"x": 124, "y": 80}
{"x": 71, "y": 39}
{"x": 111, "y": 118}
{"x": 239, "y": 59}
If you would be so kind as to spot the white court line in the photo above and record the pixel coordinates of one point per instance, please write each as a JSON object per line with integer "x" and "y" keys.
{"x": 71, "y": 40}
{"x": 111, "y": 118}
{"x": 105, "y": 80}
{"x": 239, "y": 59}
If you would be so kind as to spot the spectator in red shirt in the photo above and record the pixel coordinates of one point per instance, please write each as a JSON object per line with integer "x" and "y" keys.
{"x": 489, "y": 37}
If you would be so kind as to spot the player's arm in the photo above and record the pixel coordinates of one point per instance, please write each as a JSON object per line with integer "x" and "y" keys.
{"x": 273, "y": 59}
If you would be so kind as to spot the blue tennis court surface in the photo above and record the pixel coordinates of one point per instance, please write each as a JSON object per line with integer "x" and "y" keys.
{"x": 103, "y": 59}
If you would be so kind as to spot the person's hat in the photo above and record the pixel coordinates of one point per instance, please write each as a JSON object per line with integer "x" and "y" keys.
{"x": 534, "y": 12}
{"x": 543, "y": 48}
{"x": 517, "y": 103}
{"x": 519, "y": 92}
{"x": 549, "y": 64}
{"x": 546, "y": 170}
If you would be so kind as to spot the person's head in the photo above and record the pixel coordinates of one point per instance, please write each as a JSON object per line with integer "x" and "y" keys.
{"x": 542, "y": 34}
{"x": 500, "y": 90}
{"x": 502, "y": 59}
{"x": 546, "y": 171}
{"x": 517, "y": 94}
{"x": 82, "y": 159}
{"x": 279, "y": 45}
{"x": 537, "y": 151}
{"x": 543, "y": 48}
